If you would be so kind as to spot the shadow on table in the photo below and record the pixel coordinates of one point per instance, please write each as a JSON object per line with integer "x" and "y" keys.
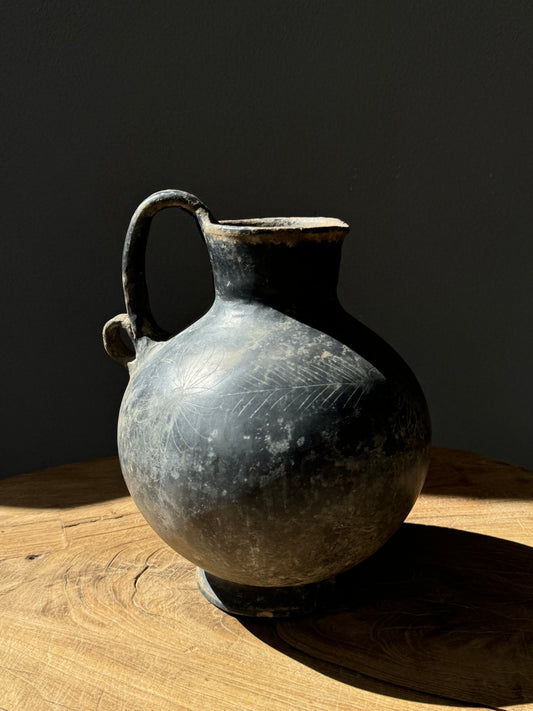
{"x": 437, "y": 611}
{"x": 66, "y": 486}
{"x": 455, "y": 472}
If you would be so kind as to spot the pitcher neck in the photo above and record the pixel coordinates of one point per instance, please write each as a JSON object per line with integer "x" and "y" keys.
{"x": 292, "y": 277}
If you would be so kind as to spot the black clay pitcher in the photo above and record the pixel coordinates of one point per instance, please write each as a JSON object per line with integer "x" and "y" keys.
{"x": 276, "y": 442}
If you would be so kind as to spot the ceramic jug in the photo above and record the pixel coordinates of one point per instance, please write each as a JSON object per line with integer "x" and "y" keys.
{"x": 277, "y": 442}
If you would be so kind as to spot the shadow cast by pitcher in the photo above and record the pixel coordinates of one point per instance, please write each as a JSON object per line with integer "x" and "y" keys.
{"x": 438, "y": 611}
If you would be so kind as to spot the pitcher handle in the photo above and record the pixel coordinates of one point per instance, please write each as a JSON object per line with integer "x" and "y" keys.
{"x": 140, "y": 321}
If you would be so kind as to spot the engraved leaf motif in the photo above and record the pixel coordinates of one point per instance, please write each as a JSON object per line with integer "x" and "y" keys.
{"x": 193, "y": 393}
{"x": 321, "y": 385}
{"x": 192, "y": 375}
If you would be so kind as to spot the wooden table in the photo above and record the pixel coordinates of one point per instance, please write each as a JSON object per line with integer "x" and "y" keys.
{"x": 97, "y": 613}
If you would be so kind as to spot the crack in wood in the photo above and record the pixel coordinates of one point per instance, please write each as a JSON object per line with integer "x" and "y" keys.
{"x": 96, "y": 520}
{"x": 136, "y": 580}
{"x": 108, "y": 565}
{"x": 135, "y": 586}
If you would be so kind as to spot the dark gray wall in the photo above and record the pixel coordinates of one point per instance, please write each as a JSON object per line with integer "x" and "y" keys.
{"x": 413, "y": 121}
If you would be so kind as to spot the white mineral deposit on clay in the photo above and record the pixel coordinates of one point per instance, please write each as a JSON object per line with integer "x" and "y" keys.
{"x": 277, "y": 447}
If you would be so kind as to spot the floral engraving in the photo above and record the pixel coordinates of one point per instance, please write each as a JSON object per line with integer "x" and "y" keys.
{"x": 196, "y": 391}
{"x": 320, "y": 385}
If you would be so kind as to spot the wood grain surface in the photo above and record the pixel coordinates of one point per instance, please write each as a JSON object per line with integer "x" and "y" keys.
{"x": 98, "y": 614}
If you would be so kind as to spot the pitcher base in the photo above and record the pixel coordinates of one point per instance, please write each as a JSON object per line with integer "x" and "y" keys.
{"x": 251, "y": 601}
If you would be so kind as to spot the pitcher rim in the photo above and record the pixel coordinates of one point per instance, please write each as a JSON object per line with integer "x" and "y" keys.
{"x": 280, "y": 229}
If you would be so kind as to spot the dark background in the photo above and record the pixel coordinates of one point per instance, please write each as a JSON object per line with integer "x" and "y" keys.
{"x": 412, "y": 121}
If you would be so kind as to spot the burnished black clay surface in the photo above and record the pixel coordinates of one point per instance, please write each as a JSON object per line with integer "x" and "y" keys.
{"x": 277, "y": 441}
